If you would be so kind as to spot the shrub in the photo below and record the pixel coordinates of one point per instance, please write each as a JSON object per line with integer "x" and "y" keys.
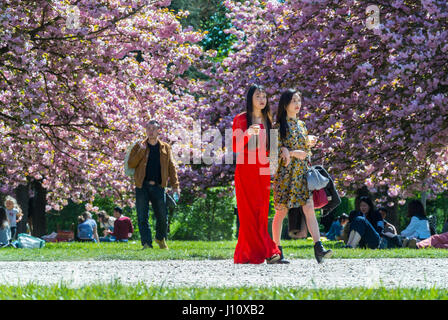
{"x": 209, "y": 218}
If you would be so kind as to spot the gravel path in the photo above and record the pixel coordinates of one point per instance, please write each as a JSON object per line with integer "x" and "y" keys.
{"x": 423, "y": 273}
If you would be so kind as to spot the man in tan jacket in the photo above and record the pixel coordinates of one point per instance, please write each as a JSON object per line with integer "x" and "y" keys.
{"x": 154, "y": 167}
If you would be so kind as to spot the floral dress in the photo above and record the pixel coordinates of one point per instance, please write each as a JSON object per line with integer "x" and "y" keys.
{"x": 290, "y": 184}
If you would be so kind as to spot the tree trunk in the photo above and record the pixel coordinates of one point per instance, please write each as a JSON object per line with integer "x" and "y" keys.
{"x": 424, "y": 198}
{"x": 38, "y": 203}
{"x": 392, "y": 213}
{"x": 392, "y": 217}
{"x": 22, "y": 196}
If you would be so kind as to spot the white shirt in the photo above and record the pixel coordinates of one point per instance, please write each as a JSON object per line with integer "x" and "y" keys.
{"x": 417, "y": 229}
{"x": 109, "y": 224}
{"x": 12, "y": 216}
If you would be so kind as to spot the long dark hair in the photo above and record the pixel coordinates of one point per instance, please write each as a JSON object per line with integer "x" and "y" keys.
{"x": 369, "y": 203}
{"x": 3, "y": 218}
{"x": 266, "y": 112}
{"x": 416, "y": 209}
{"x": 285, "y": 100}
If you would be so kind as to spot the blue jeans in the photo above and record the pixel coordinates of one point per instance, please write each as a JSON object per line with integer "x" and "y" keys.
{"x": 107, "y": 239}
{"x": 13, "y": 233}
{"x": 369, "y": 236}
{"x": 155, "y": 194}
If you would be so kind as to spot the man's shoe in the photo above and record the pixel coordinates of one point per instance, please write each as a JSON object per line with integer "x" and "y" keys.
{"x": 162, "y": 243}
{"x": 146, "y": 246}
{"x": 320, "y": 252}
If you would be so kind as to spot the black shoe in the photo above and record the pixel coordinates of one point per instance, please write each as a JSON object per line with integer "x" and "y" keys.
{"x": 274, "y": 259}
{"x": 320, "y": 252}
{"x": 282, "y": 258}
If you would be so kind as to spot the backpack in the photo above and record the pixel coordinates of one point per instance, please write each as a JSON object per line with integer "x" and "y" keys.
{"x": 129, "y": 171}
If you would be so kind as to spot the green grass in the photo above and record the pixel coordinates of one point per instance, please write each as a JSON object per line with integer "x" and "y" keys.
{"x": 195, "y": 250}
{"x": 117, "y": 291}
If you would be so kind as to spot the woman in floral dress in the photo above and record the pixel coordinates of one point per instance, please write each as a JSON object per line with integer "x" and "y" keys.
{"x": 290, "y": 184}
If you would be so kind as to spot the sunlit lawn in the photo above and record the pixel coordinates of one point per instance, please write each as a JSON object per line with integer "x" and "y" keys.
{"x": 117, "y": 291}
{"x": 194, "y": 250}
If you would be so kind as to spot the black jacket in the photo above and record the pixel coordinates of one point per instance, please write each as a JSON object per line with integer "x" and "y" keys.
{"x": 296, "y": 216}
{"x": 333, "y": 197}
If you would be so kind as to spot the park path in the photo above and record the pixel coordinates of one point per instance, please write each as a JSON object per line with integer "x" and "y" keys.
{"x": 422, "y": 273}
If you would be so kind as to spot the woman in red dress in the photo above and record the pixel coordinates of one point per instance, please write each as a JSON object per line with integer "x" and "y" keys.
{"x": 252, "y": 180}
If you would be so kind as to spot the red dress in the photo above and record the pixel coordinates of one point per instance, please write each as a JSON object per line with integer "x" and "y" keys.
{"x": 252, "y": 188}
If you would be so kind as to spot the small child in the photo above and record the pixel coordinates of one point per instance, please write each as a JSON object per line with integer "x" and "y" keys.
{"x": 5, "y": 231}
{"x": 14, "y": 214}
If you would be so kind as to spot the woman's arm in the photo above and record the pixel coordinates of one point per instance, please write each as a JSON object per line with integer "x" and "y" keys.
{"x": 299, "y": 154}
{"x": 95, "y": 234}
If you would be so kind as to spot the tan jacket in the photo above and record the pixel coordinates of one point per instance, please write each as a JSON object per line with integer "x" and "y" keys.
{"x": 138, "y": 158}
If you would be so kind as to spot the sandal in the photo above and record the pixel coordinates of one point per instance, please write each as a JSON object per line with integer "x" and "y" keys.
{"x": 273, "y": 259}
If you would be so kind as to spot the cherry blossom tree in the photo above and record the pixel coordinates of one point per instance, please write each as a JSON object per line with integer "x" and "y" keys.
{"x": 78, "y": 81}
{"x": 377, "y": 97}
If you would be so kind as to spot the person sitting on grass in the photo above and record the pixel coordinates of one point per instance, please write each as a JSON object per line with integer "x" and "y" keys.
{"x": 390, "y": 232}
{"x": 5, "y": 231}
{"x": 107, "y": 223}
{"x": 87, "y": 228}
{"x": 439, "y": 241}
{"x": 366, "y": 225}
{"x": 362, "y": 233}
{"x": 123, "y": 228}
{"x": 418, "y": 228}
{"x": 336, "y": 227}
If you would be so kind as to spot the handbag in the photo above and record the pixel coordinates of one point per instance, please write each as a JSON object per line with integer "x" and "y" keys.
{"x": 129, "y": 171}
{"x": 315, "y": 179}
{"x": 320, "y": 198}
{"x": 170, "y": 202}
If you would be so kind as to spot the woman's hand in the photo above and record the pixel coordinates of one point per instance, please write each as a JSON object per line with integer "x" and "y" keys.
{"x": 285, "y": 155}
{"x": 312, "y": 140}
{"x": 299, "y": 154}
{"x": 253, "y": 130}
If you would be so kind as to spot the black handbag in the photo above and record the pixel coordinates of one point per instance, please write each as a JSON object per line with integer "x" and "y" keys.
{"x": 170, "y": 202}
{"x": 333, "y": 197}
